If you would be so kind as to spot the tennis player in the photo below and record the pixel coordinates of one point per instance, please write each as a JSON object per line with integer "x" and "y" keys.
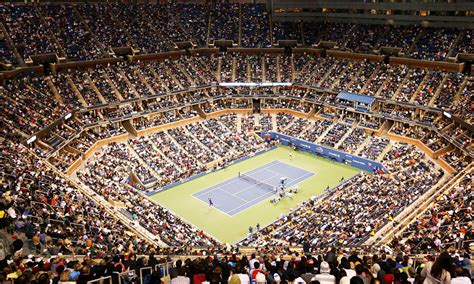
{"x": 210, "y": 202}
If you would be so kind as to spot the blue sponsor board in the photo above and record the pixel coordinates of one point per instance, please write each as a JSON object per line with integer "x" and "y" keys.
{"x": 342, "y": 157}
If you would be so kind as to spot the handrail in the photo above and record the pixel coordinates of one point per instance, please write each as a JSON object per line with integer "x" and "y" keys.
{"x": 142, "y": 269}
{"x": 101, "y": 280}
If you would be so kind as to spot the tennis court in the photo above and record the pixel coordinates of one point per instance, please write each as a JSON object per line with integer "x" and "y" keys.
{"x": 237, "y": 194}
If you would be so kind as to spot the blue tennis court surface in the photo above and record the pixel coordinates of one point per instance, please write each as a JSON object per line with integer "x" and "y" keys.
{"x": 237, "y": 194}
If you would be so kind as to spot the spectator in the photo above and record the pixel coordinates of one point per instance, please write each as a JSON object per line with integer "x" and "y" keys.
{"x": 309, "y": 274}
{"x": 175, "y": 269}
{"x": 438, "y": 271}
{"x": 181, "y": 278}
{"x": 360, "y": 272}
{"x": 462, "y": 276}
{"x": 241, "y": 274}
{"x": 252, "y": 261}
{"x": 466, "y": 262}
{"x": 256, "y": 270}
{"x": 324, "y": 277}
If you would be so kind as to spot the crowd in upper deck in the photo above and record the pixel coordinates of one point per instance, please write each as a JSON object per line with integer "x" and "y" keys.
{"x": 89, "y": 31}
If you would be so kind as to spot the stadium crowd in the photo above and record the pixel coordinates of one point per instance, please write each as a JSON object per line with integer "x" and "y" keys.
{"x": 131, "y": 80}
{"x": 446, "y": 224}
{"x": 100, "y": 210}
{"x": 352, "y": 218}
{"x": 53, "y": 216}
{"x": 268, "y": 266}
{"x": 88, "y": 31}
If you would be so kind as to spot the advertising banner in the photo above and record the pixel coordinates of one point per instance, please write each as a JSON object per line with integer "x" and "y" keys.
{"x": 339, "y": 156}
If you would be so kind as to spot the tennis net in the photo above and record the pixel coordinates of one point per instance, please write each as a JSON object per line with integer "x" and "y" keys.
{"x": 258, "y": 182}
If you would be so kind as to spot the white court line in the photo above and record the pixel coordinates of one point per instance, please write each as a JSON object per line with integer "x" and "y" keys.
{"x": 222, "y": 189}
{"x": 255, "y": 183}
{"x": 293, "y": 166}
{"x": 264, "y": 199}
{"x": 252, "y": 172}
{"x": 230, "y": 181}
{"x": 245, "y": 200}
{"x": 216, "y": 186}
{"x": 311, "y": 174}
{"x": 303, "y": 177}
{"x": 213, "y": 207}
{"x": 271, "y": 194}
{"x": 276, "y": 173}
{"x": 266, "y": 167}
{"x": 207, "y": 192}
{"x": 224, "y": 212}
{"x": 187, "y": 221}
{"x": 233, "y": 180}
{"x": 296, "y": 181}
